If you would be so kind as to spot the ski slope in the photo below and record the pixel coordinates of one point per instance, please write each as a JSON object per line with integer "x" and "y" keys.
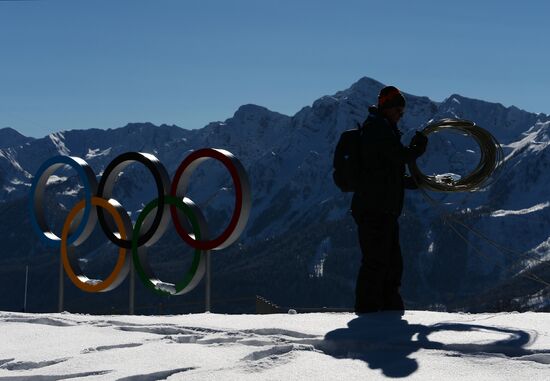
{"x": 320, "y": 346}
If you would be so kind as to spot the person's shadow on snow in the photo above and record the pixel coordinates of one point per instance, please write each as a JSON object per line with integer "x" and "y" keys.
{"x": 385, "y": 341}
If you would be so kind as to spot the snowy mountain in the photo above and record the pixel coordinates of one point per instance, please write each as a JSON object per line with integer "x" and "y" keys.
{"x": 300, "y": 245}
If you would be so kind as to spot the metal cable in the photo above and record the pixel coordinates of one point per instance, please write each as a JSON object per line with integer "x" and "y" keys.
{"x": 491, "y": 159}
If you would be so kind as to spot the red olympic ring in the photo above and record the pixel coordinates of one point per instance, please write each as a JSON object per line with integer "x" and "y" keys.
{"x": 239, "y": 218}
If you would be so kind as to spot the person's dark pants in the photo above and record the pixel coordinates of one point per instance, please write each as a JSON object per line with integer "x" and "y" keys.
{"x": 379, "y": 277}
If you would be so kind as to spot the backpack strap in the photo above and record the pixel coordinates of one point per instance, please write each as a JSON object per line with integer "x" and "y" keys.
{"x": 362, "y": 126}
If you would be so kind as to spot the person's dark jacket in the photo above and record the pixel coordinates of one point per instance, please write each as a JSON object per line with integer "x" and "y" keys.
{"x": 383, "y": 158}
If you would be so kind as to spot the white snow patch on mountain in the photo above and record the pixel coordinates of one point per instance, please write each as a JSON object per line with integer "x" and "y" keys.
{"x": 538, "y": 300}
{"x": 72, "y": 192}
{"x": 542, "y": 251}
{"x": 535, "y": 208}
{"x": 54, "y": 179}
{"x": 10, "y": 157}
{"x": 316, "y": 267}
{"x": 58, "y": 139}
{"x": 19, "y": 182}
{"x": 97, "y": 152}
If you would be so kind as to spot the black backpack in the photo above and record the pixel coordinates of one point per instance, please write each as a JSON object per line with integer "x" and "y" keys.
{"x": 347, "y": 159}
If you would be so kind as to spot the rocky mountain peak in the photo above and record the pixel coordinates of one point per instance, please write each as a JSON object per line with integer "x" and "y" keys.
{"x": 10, "y": 137}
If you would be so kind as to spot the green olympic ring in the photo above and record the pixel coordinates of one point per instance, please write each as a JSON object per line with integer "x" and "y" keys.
{"x": 139, "y": 253}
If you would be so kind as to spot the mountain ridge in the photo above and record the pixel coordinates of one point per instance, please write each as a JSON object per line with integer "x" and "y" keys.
{"x": 289, "y": 162}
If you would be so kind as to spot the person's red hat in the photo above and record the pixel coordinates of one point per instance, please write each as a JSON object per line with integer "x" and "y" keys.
{"x": 390, "y": 96}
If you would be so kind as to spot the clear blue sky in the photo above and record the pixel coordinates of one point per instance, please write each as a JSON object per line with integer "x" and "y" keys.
{"x": 82, "y": 64}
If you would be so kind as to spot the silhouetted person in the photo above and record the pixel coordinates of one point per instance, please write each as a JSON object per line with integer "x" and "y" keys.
{"x": 378, "y": 201}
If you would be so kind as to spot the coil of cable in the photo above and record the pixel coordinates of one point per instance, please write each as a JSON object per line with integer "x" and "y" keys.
{"x": 491, "y": 159}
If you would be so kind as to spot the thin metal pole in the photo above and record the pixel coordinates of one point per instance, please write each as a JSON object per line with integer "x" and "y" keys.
{"x": 208, "y": 282}
{"x": 132, "y": 289}
{"x": 61, "y": 291}
{"x": 26, "y": 285}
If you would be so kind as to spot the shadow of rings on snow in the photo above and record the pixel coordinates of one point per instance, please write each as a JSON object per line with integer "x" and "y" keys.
{"x": 384, "y": 341}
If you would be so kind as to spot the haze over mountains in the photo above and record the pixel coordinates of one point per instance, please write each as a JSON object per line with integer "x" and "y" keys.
{"x": 300, "y": 246}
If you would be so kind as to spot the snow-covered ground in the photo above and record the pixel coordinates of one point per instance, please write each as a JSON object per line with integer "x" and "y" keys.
{"x": 319, "y": 346}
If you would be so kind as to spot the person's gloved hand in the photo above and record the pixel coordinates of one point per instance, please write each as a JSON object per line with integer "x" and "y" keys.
{"x": 419, "y": 142}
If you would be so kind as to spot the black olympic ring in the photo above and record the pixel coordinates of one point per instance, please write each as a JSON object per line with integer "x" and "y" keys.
{"x": 105, "y": 190}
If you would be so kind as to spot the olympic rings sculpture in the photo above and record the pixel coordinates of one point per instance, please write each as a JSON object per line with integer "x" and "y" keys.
{"x": 152, "y": 221}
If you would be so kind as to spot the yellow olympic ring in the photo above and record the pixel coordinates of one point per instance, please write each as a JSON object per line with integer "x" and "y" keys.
{"x": 123, "y": 263}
